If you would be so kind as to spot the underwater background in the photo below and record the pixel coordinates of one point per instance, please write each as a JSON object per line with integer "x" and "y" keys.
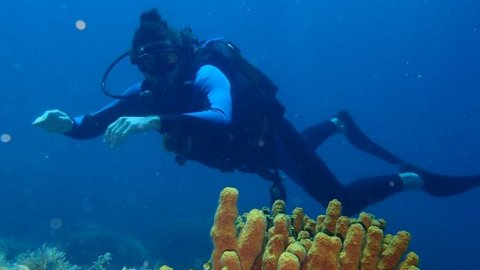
{"x": 408, "y": 72}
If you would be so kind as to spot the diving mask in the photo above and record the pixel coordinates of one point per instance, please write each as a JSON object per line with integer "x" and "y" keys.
{"x": 155, "y": 58}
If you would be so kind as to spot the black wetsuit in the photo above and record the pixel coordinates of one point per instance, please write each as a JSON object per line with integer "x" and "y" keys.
{"x": 205, "y": 122}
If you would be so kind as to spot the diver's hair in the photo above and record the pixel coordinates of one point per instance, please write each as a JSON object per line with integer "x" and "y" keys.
{"x": 154, "y": 29}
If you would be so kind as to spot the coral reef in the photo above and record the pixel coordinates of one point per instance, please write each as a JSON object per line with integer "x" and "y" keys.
{"x": 44, "y": 258}
{"x": 272, "y": 240}
{"x": 49, "y": 258}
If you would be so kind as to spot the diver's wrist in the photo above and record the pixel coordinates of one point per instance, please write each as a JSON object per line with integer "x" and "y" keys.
{"x": 154, "y": 122}
{"x": 69, "y": 124}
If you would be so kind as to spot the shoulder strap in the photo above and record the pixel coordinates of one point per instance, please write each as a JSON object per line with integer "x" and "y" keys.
{"x": 226, "y": 56}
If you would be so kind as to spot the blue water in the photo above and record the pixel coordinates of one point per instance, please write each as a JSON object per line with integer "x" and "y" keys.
{"x": 408, "y": 71}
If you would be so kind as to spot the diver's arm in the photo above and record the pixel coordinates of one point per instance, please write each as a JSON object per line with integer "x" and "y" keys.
{"x": 93, "y": 125}
{"x": 125, "y": 126}
{"x": 213, "y": 83}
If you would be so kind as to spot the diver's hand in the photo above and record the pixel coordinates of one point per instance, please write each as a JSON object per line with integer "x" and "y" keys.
{"x": 54, "y": 121}
{"x": 119, "y": 130}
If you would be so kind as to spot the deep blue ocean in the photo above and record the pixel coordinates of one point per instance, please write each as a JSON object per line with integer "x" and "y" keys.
{"x": 408, "y": 72}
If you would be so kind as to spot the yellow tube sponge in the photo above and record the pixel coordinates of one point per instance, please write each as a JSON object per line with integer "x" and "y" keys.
{"x": 223, "y": 231}
{"x": 281, "y": 226}
{"x": 352, "y": 247}
{"x": 257, "y": 265}
{"x": 272, "y": 240}
{"x": 250, "y": 240}
{"x": 387, "y": 240}
{"x": 373, "y": 248}
{"x": 320, "y": 220}
{"x": 307, "y": 243}
{"x": 310, "y": 226}
{"x": 342, "y": 227}
{"x": 299, "y": 251}
{"x": 391, "y": 255}
{"x": 298, "y": 219}
{"x": 334, "y": 210}
{"x": 303, "y": 235}
{"x": 411, "y": 262}
{"x": 288, "y": 261}
{"x": 273, "y": 250}
{"x": 164, "y": 267}
{"x": 230, "y": 261}
{"x": 278, "y": 207}
{"x": 324, "y": 253}
{"x": 291, "y": 240}
{"x": 366, "y": 219}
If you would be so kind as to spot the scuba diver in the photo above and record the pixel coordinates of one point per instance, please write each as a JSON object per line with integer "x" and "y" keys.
{"x": 213, "y": 107}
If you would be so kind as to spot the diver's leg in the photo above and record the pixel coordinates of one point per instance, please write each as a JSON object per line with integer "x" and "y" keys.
{"x": 434, "y": 184}
{"x": 370, "y": 190}
{"x": 299, "y": 161}
{"x": 317, "y": 134}
{"x": 443, "y": 185}
{"x": 358, "y": 139}
{"x": 302, "y": 165}
{"x": 367, "y": 191}
{"x": 277, "y": 190}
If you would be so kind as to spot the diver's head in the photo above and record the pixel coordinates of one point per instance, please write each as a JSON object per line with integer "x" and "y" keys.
{"x": 155, "y": 46}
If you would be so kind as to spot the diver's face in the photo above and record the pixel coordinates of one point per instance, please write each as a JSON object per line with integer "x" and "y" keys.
{"x": 157, "y": 60}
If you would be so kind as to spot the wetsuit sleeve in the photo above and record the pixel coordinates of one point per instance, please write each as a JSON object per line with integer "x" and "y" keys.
{"x": 93, "y": 125}
{"x": 214, "y": 85}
